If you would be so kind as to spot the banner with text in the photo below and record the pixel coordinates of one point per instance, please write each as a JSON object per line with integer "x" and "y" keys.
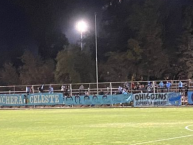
{"x": 44, "y": 99}
{"x": 58, "y": 99}
{"x": 190, "y": 97}
{"x": 157, "y": 99}
{"x": 11, "y": 100}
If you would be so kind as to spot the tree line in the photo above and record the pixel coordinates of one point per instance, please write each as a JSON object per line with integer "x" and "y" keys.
{"x": 137, "y": 40}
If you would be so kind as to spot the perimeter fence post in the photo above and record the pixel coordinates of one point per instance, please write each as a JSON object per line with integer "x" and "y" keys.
{"x": 111, "y": 88}
{"x": 89, "y": 88}
{"x": 33, "y": 88}
{"x": 70, "y": 89}
{"x": 14, "y": 89}
{"x": 131, "y": 87}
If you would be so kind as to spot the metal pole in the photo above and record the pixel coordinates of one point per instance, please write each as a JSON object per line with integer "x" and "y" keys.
{"x": 81, "y": 40}
{"x": 111, "y": 88}
{"x": 96, "y": 52}
{"x": 70, "y": 89}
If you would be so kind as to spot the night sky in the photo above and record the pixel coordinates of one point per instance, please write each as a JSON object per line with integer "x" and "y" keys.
{"x": 20, "y": 24}
{"x": 17, "y": 28}
{"x": 14, "y": 26}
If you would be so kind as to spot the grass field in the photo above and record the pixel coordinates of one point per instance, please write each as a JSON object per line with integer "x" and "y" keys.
{"x": 97, "y": 126}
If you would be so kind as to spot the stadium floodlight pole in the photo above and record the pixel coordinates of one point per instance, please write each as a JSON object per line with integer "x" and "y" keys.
{"x": 96, "y": 52}
{"x": 81, "y": 40}
{"x": 82, "y": 27}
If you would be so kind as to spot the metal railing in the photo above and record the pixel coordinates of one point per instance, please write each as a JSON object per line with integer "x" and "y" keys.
{"x": 103, "y": 87}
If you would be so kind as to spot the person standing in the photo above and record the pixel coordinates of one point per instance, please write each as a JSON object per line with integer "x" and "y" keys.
{"x": 168, "y": 85}
{"x": 149, "y": 87}
{"x": 81, "y": 90}
{"x": 120, "y": 90}
{"x": 28, "y": 90}
{"x": 186, "y": 90}
{"x": 63, "y": 88}
{"x": 51, "y": 90}
{"x": 180, "y": 86}
{"x": 41, "y": 89}
{"x": 161, "y": 86}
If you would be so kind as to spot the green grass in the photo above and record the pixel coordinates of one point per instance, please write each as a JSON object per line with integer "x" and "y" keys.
{"x": 97, "y": 126}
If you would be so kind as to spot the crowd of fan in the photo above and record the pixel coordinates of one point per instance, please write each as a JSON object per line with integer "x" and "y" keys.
{"x": 128, "y": 87}
{"x": 151, "y": 87}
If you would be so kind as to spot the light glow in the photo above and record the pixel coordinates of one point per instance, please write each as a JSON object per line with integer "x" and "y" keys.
{"x": 82, "y": 26}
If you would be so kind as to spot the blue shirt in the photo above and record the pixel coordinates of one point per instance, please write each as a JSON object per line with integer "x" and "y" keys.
{"x": 161, "y": 84}
{"x": 180, "y": 84}
{"x": 168, "y": 84}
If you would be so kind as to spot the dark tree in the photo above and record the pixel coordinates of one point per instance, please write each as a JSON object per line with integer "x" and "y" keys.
{"x": 9, "y": 75}
{"x": 74, "y": 65}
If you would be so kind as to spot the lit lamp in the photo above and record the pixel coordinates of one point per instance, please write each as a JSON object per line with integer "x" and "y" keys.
{"x": 82, "y": 27}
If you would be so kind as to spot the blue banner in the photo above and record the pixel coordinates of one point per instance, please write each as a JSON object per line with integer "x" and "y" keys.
{"x": 157, "y": 99}
{"x": 11, "y": 100}
{"x": 45, "y": 99}
{"x": 59, "y": 99}
{"x": 122, "y": 98}
{"x": 98, "y": 100}
{"x": 174, "y": 99}
{"x": 190, "y": 97}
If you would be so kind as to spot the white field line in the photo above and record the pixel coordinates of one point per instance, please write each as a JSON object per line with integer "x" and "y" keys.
{"x": 162, "y": 140}
{"x": 187, "y": 128}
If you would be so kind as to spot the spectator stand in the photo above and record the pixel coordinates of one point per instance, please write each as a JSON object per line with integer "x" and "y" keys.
{"x": 107, "y": 88}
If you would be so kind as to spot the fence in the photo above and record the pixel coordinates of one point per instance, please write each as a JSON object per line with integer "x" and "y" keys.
{"x": 103, "y": 87}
